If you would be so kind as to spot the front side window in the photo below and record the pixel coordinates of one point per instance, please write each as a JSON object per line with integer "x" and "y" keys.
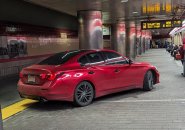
{"x": 59, "y": 58}
{"x": 114, "y": 58}
{"x": 111, "y": 55}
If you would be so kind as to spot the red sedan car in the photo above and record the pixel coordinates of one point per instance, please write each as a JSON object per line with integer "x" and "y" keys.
{"x": 82, "y": 75}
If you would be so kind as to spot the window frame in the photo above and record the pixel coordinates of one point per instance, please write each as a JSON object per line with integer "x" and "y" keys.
{"x": 114, "y": 61}
{"x": 86, "y": 58}
{"x": 90, "y": 63}
{"x": 49, "y": 60}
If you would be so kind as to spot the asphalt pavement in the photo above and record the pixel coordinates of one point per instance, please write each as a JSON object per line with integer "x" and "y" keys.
{"x": 163, "y": 108}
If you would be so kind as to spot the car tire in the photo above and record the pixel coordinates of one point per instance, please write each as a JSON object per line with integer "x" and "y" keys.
{"x": 84, "y": 94}
{"x": 148, "y": 81}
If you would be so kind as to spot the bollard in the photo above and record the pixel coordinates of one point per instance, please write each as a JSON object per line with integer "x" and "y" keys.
{"x": 1, "y": 122}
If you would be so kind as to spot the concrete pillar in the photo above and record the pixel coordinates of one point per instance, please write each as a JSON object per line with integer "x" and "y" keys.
{"x": 137, "y": 40}
{"x": 127, "y": 38}
{"x": 133, "y": 38}
{"x": 118, "y": 38}
{"x": 144, "y": 44}
{"x": 147, "y": 44}
{"x": 130, "y": 39}
{"x": 140, "y": 45}
{"x": 1, "y": 122}
{"x": 90, "y": 29}
{"x": 143, "y": 41}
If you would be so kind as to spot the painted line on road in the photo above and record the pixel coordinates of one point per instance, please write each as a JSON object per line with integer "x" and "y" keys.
{"x": 16, "y": 108}
{"x": 160, "y": 100}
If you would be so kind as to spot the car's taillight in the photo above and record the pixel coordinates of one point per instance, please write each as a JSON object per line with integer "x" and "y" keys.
{"x": 43, "y": 76}
{"x": 20, "y": 75}
{"x": 51, "y": 76}
{"x": 47, "y": 76}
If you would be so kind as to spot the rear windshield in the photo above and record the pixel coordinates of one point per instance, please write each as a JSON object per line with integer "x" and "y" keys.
{"x": 59, "y": 58}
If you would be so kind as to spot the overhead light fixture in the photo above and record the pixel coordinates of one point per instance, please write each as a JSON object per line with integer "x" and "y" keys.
{"x": 123, "y": 1}
{"x": 135, "y": 12}
{"x": 183, "y": 22}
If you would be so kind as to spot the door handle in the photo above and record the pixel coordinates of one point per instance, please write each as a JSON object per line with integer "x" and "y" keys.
{"x": 116, "y": 70}
{"x": 91, "y": 72}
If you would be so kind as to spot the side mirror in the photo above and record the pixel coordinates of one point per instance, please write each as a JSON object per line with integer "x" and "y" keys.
{"x": 130, "y": 61}
{"x": 82, "y": 65}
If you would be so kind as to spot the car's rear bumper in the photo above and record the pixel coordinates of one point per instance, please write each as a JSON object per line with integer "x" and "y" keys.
{"x": 39, "y": 92}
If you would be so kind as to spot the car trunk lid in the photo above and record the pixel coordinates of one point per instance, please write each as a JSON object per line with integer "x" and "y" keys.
{"x": 37, "y": 74}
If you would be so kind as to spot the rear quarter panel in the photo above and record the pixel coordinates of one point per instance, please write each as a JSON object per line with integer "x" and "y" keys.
{"x": 70, "y": 79}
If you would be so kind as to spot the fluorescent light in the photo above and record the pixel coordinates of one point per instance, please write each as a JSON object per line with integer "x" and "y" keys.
{"x": 135, "y": 12}
{"x": 183, "y": 22}
{"x": 122, "y": 1}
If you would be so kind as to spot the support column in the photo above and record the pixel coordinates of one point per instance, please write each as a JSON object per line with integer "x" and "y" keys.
{"x": 90, "y": 29}
{"x": 143, "y": 41}
{"x": 144, "y": 44}
{"x": 136, "y": 39}
{"x": 118, "y": 38}
{"x": 140, "y": 45}
{"x": 130, "y": 40}
{"x": 1, "y": 122}
{"x": 127, "y": 30}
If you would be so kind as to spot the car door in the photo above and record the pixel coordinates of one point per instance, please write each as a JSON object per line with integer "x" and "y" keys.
{"x": 102, "y": 75}
{"x": 130, "y": 73}
{"x": 112, "y": 59}
{"x": 126, "y": 74}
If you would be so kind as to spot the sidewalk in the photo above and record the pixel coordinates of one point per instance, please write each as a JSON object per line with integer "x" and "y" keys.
{"x": 8, "y": 90}
{"x": 160, "y": 109}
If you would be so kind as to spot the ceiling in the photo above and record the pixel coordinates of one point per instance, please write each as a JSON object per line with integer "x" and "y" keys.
{"x": 119, "y": 10}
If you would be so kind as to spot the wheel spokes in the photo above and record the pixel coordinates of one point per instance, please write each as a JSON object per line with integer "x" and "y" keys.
{"x": 84, "y": 93}
{"x": 150, "y": 79}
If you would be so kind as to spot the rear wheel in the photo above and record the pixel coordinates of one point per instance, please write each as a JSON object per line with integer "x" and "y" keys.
{"x": 84, "y": 94}
{"x": 148, "y": 81}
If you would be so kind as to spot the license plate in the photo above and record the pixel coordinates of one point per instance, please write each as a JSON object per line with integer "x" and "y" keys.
{"x": 31, "y": 79}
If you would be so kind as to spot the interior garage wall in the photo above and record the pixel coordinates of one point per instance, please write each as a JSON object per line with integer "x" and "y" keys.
{"x": 20, "y": 12}
{"x": 24, "y": 12}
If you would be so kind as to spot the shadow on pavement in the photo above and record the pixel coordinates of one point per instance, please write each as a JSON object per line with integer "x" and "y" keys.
{"x": 63, "y": 105}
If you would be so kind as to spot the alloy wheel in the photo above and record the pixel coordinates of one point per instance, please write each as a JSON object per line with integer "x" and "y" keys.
{"x": 150, "y": 79}
{"x": 84, "y": 94}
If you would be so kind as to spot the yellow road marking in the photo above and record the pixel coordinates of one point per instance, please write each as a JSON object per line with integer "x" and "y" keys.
{"x": 16, "y": 108}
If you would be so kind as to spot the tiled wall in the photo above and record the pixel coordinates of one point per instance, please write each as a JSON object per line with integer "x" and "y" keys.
{"x": 38, "y": 48}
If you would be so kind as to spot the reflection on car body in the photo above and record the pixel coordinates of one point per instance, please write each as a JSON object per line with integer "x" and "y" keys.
{"x": 82, "y": 75}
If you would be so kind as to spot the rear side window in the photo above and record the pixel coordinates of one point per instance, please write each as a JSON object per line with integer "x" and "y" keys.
{"x": 95, "y": 57}
{"x": 83, "y": 60}
{"x": 59, "y": 58}
{"x": 111, "y": 55}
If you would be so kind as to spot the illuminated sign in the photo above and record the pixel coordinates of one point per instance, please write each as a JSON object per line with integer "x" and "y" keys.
{"x": 156, "y": 7}
{"x": 161, "y": 24}
{"x": 106, "y": 30}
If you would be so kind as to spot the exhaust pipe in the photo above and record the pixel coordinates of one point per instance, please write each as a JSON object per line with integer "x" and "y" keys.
{"x": 43, "y": 100}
